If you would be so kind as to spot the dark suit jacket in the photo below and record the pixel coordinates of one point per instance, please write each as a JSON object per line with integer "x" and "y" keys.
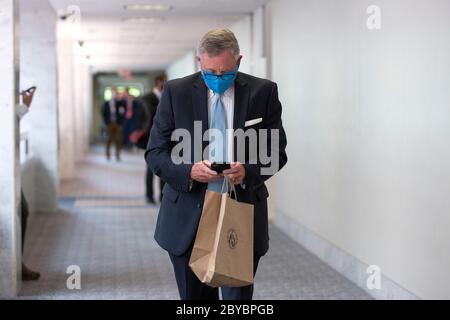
{"x": 145, "y": 122}
{"x": 120, "y": 112}
{"x": 151, "y": 103}
{"x": 183, "y": 102}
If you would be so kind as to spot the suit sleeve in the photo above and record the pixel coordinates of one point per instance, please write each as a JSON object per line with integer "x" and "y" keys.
{"x": 273, "y": 121}
{"x": 104, "y": 112}
{"x": 153, "y": 108}
{"x": 158, "y": 153}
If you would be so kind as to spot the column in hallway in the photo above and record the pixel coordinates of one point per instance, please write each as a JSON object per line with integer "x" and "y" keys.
{"x": 87, "y": 83}
{"x": 66, "y": 101}
{"x": 75, "y": 97}
{"x": 39, "y": 68}
{"x": 10, "y": 255}
{"x": 81, "y": 107}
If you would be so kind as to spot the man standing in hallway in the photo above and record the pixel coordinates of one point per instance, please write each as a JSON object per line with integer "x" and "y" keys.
{"x": 27, "y": 273}
{"x": 131, "y": 117}
{"x": 220, "y": 98}
{"x": 113, "y": 113}
{"x": 151, "y": 102}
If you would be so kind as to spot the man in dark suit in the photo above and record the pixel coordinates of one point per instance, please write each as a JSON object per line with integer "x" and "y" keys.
{"x": 151, "y": 102}
{"x": 113, "y": 113}
{"x": 133, "y": 111}
{"x": 22, "y": 110}
{"x": 218, "y": 98}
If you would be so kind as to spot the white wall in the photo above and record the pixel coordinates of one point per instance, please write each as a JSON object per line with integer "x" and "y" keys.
{"x": 367, "y": 119}
{"x": 67, "y": 110}
{"x": 243, "y": 32}
{"x": 39, "y": 68}
{"x": 183, "y": 67}
{"x": 10, "y": 252}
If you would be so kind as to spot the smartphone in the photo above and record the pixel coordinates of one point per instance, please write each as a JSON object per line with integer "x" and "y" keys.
{"x": 220, "y": 167}
{"x": 30, "y": 90}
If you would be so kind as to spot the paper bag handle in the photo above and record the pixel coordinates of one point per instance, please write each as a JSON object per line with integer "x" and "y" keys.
{"x": 230, "y": 187}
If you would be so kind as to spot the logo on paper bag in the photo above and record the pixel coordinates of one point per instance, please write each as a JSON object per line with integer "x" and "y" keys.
{"x": 232, "y": 238}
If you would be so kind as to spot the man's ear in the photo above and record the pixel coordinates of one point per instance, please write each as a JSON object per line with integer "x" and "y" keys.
{"x": 239, "y": 61}
{"x": 199, "y": 64}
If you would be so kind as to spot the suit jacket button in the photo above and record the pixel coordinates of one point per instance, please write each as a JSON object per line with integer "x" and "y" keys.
{"x": 199, "y": 205}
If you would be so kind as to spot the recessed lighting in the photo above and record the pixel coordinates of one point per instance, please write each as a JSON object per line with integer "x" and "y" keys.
{"x": 138, "y": 29}
{"x": 143, "y": 20}
{"x": 147, "y": 7}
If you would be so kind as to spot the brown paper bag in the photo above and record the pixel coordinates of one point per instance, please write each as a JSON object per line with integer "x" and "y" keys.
{"x": 222, "y": 255}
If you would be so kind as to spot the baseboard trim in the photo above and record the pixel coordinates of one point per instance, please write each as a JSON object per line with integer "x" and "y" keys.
{"x": 341, "y": 261}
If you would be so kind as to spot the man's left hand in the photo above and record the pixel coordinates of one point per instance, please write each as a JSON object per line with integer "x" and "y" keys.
{"x": 27, "y": 98}
{"x": 236, "y": 174}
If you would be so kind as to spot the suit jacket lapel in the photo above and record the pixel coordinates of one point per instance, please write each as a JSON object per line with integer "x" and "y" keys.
{"x": 241, "y": 101}
{"x": 200, "y": 105}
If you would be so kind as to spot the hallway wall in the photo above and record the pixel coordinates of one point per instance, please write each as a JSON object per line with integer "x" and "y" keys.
{"x": 67, "y": 109}
{"x": 39, "y": 68}
{"x": 10, "y": 253}
{"x": 184, "y": 66}
{"x": 76, "y": 98}
{"x": 243, "y": 32}
{"x": 366, "y": 114}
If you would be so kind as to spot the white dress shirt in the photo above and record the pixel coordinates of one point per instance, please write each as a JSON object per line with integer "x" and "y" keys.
{"x": 157, "y": 92}
{"x": 227, "y": 99}
{"x": 21, "y": 110}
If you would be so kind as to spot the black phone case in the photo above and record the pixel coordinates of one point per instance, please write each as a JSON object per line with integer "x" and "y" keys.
{"x": 220, "y": 167}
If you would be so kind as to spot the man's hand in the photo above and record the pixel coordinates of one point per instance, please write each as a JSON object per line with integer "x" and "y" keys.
{"x": 27, "y": 98}
{"x": 201, "y": 172}
{"x": 236, "y": 174}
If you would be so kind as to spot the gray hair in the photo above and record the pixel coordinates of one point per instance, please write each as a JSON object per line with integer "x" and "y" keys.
{"x": 217, "y": 40}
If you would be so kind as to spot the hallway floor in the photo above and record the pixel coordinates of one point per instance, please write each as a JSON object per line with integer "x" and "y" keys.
{"x": 105, "y": 227}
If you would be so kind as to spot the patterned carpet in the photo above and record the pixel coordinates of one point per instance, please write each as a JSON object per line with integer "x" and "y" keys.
{"x": 105, "y": 227}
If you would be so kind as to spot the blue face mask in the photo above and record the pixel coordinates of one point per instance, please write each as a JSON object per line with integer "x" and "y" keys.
{"x": 219, "y": 84}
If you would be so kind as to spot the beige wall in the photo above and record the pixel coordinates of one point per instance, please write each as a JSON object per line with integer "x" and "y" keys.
{"x": 367, "y": 118}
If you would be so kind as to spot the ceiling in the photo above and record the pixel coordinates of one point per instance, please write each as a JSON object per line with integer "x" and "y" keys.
{"x": 116, "y": 38}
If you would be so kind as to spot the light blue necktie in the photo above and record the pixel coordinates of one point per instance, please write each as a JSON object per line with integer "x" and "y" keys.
{"x": 219, "y": 122}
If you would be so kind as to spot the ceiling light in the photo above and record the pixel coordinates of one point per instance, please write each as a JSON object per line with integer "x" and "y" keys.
{"x": 138, "y": 29}
{"x": 147, "y": 7}
{"x": 143, "y": 20}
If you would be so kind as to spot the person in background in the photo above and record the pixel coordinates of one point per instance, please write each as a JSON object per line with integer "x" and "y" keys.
{"x": 132, "y": 113}
{"x": 22, "y": 109}
{"x": 151, "y": 102}
{"x": 113, "y": 113}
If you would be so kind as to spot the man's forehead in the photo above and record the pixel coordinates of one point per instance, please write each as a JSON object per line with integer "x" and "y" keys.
{"x": 218, "y": 63}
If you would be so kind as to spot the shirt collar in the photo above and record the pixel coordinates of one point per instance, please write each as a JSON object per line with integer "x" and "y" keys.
{"x": 228, "y": 93}
{"x": 157, "y": 92}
